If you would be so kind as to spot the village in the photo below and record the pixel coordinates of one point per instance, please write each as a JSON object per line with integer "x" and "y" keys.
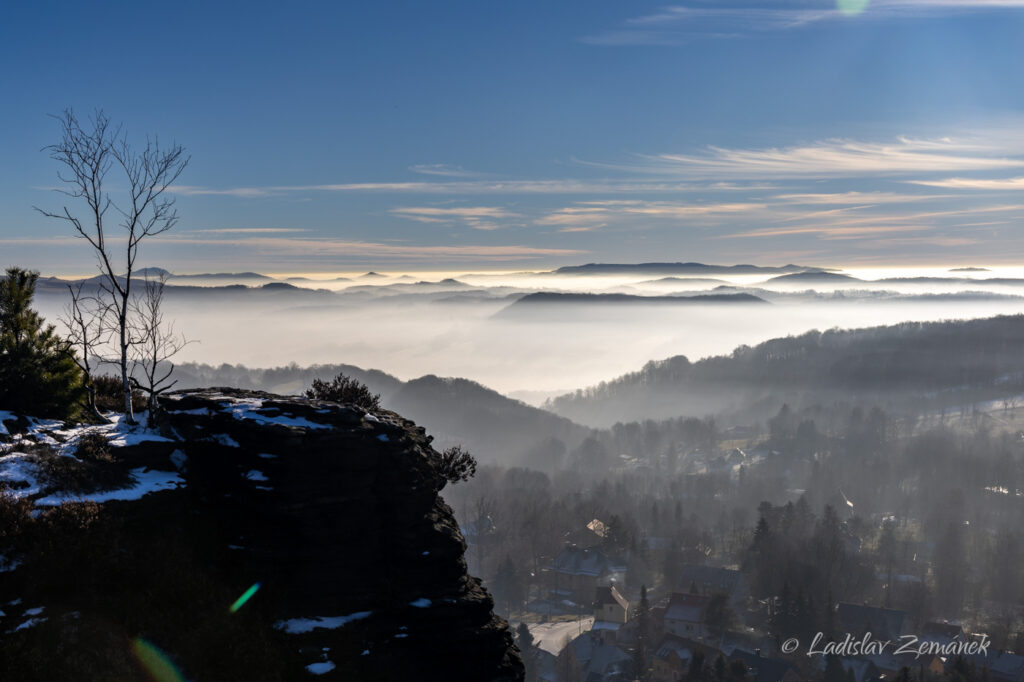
{"x": 708, "y": 623}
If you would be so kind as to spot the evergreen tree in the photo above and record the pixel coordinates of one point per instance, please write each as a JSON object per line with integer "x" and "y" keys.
{"x": 719, "y": 668}
{"x": 719, "y": 616}
{"x": 673, "y": 563}
{"x": 643, "y": 635}
{"x": 737, "y": 671}
{"x": 38, "y": 375}
{"x": 524, "y": 640}
{"x": 507, "y": 586}
{"x": 696, "y": 670}
{"x": 950, "y": 567}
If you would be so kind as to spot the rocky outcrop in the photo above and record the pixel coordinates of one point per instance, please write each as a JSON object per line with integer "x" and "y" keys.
{"x": 331, "y": 516}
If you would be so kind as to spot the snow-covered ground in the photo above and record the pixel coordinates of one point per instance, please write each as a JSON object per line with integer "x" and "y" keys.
{"x": 295, "y": 626}
{"x": 146, "y": 481}
{"x": 20, "y": 469}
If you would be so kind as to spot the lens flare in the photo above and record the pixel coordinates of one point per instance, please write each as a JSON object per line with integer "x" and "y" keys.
{"x": 246, "y": 596}
{"x": 852, "y": 7}
{"x": 155, "y": 662}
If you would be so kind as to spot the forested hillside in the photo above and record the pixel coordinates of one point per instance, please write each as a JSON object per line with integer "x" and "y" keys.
{"x": 937, "y": 365}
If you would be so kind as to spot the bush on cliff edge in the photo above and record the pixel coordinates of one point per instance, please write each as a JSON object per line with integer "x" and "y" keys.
{"x": 344, "y": 389}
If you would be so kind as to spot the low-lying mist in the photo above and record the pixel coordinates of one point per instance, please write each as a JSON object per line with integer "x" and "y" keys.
{"x": 474, "y": 327}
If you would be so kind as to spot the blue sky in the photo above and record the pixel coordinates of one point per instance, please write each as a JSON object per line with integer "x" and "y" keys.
{"x": 467, "y": 135}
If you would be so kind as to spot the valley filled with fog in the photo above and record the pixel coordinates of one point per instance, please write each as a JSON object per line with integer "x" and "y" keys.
{"x": 488, "y": 328}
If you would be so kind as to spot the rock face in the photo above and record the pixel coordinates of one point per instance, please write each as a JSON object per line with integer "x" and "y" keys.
{"x": 334, "y": 512}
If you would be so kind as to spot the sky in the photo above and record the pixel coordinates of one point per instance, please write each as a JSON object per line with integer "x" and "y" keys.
{"x": 342, "y": 136}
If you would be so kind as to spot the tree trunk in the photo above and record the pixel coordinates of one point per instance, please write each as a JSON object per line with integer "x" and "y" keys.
{"x": 129, "y": 416}
{"x": 91, "y": 403}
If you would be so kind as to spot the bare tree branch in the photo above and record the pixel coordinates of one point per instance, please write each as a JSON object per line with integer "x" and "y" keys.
{"x": 87, "y": 332}
{"x": 156, "y": 342}
{"x": 87, "y": 154}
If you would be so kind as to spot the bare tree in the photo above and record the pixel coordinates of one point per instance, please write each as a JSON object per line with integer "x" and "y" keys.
{"x": 485, "y": 509}
{"x": 156, "y": 342}
{"x": 143, "y": 208}
{"x": 84, "y": 319}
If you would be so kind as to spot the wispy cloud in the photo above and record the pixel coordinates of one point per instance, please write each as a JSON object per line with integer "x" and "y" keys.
{"x": 836, "y": 157}
{"x": 494, "y": 187}
{"x": 677, "y": 24}
{"x": 858, "y": 222}
{"x": 249, "y": 230}
{"x": 328, "y": 247}
{"x": 974, "y": 183}
{"x": 41, "y": 241}
{"x": 847, "y": 198}
{"x": 444, "y": 170}
{"x": 826, "y": 231}
{"x": 245, "y": 192}
{"x": 590, "y": 215}
{"x": 476, "y": 217}
{"x": 929, "y": 241}
{"x": 953, "y": 4}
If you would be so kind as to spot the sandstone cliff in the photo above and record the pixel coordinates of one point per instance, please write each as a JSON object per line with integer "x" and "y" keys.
{"x": 326, "y": 516}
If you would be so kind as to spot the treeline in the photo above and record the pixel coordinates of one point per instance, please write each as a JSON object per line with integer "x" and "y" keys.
{"x": 290, "y": 379}
{"x": 943, "y": 363}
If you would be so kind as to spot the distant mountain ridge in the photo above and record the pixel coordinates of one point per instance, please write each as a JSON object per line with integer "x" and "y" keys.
{"x": 558, "y": 298}
{"x": 680, "y": 269}
{"x": 815, "y": 276}
{"x": 225, "y": 275}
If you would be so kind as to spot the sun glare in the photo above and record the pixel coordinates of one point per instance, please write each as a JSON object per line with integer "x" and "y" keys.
{"x": 852, "y": 7}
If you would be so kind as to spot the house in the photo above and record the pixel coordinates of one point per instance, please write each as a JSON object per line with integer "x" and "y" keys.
{"x": 880, "y": 622}
{"x": 611, "y": 611}
{"x": 747, "y": 641}
{"x": 588, "y": 658}
{"x": 863, "y": 670}
{"x": 684, "y": 616}
{"x": 671, "y": 660}
{"x": 576, "y": 572}
{"x": 890, "y": 664}
{"x": 609, "y": 605}
{"x": 708, "y": 580}
{"x": 1002, "y": 666}
{"x": 941, "y": 632}
{"x": 764, "y": 669}
{"x": 930, "y": 663}
{"x": 546, "y": 666}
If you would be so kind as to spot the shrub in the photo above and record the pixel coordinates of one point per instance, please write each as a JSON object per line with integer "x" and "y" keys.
{"x": 457, "y": 464}
{"x": 92, "y": 469}
{"x": 15, "y": 516}
{"x": 344, "y": 389}
{"x": 110, "y": 396}
{"x": 93, "y": 447}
